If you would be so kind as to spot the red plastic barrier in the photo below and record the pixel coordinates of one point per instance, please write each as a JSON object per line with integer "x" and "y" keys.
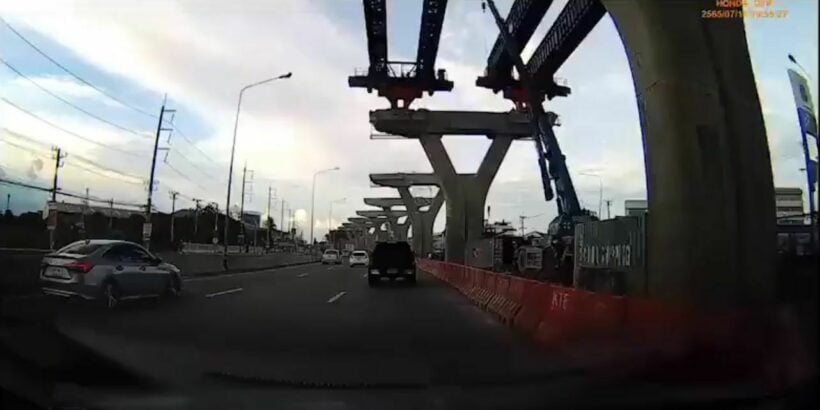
{"x": 534, "y": 306}
{"x": 604, "y": 314}
{"x": 488, "y": 288}
{"x": 564, "y": 319}
{"x": 498, "y": 298}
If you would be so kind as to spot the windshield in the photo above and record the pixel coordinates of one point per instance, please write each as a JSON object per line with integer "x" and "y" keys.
{"x": 461, "y": 204}
{"x": 80, "y": 248}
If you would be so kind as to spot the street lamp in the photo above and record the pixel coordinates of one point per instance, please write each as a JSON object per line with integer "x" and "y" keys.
{"x": 600, "y": 190}
{"x": 330, "y": 214}
{"x": 313, "y": 197}
{"x": 230, "y": 169}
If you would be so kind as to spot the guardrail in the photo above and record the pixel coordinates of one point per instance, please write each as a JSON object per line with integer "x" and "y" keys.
{"x": 636, "y": 335}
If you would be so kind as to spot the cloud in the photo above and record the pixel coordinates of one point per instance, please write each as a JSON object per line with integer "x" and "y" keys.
{"x": 203, "y": 52}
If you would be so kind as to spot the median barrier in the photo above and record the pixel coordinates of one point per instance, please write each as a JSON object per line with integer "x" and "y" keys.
{"x": 564, "y": 318}
{"x": 499, "y": 296}
{"x": 533, "y": 308}
{"x": 647, "y": 339}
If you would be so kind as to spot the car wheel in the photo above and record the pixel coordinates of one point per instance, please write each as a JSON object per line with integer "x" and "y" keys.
{"x": 173, "y": 287}
{"x": 111, "y": 295}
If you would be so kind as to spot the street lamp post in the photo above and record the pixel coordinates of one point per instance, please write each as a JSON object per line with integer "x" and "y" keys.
{"x": 313, "y": 197}
{"x": 230, "y": 169}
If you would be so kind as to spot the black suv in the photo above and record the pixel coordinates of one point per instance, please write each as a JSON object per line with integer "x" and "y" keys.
{"x": 392, "y": 260}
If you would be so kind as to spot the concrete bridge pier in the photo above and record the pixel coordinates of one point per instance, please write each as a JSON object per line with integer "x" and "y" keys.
{"x": 708, "y": 167}
{"x": 464, "y": 194}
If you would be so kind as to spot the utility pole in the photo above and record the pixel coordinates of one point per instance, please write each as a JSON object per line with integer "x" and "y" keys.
{"x": 196, "y": 216}
{"x": 173, "y": 210}
{"x": 282, "y": 219}
{"x": 146, "y": 229}
{"x": 111, "y": 217}
{"x": 270, "y": 219}
{"x": 608, "y": 204}
{"x": 216, "y": 222}
{"x": 521, "y": 219}
{"x": 8, "y": 202}
{"x": 242, "y": 202}
{"x": 58, "y": 163}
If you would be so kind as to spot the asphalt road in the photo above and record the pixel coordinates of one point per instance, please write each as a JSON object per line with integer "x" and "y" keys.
{"x": 315, "y": 336}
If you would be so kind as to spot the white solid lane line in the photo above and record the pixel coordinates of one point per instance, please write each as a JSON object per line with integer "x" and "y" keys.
{"x": 224, "y": 292}
{"x": 337, "y": 297}
{"x": 302, "y": 275}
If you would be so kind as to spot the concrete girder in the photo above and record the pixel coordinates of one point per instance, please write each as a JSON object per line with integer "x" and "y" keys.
{"x": 401, "y": 179}
{"x": 708, "y": 165}
{"x": 415, "y": 123}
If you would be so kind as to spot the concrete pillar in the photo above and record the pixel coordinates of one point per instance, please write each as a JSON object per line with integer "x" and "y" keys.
{"x": 464, "y": 194}
{"x": 421, "y": 221}
{"x": 711, "y": 230}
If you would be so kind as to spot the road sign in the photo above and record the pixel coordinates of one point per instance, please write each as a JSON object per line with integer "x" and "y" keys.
{"x": 146, "y": 231}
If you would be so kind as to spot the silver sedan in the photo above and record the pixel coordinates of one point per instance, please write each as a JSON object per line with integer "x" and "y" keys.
{"x": 109, "y": 271}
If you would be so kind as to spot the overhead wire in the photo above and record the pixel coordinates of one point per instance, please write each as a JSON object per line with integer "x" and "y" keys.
{"x": 71, "y": 73}
{"x": 73, "y": 155}
{"x": 70, "y": 104}
{"x": 101, "y": 91}
{"x": 72, "y": 133}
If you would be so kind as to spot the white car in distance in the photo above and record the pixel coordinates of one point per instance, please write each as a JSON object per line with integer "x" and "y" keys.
{"x": 359, "y": 258}
{"x": 331, "y": 256}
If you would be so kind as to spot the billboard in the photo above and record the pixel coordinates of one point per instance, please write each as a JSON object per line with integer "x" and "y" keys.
{"x": 610, "y": 255}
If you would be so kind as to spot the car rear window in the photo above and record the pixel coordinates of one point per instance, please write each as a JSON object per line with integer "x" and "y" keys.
{"x": 393, "y": 254}
{"x": 359, "y": 253}
{"x": 80, "y": 248}
{"x": 331, "y": 252}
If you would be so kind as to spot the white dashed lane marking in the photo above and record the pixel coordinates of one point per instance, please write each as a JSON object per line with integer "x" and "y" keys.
{"x": 302, "y": 275}
{"x": 337, "y": 297}
{"x": 224, "y": 292}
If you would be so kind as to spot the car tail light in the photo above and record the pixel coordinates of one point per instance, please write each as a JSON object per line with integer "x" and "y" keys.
{"x": 79, "y": 266}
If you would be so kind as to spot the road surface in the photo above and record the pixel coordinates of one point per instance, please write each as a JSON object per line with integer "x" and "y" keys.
{"x": 316, "y": 336}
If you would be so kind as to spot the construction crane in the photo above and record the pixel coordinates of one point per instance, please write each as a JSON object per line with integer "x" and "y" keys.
{"x": 551, "y": 160}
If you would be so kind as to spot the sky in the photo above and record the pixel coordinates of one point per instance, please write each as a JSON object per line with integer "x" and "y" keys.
{"x": 197, "y": 55}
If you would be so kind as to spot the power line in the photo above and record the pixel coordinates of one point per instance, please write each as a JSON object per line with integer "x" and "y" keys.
{"x": 69, "y": 103}
{"x": 68, "y": 194}
{"x": 184, "y": 176}
{"x": 86, "y": 139}
{"x": 191, "y": 163}
{"x": 191, "y": 143}
{"x": 85, "y": 160}
{"x": 71, "y": 73}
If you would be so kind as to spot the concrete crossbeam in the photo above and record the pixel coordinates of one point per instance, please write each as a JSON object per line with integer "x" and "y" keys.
{"x": 400, "y": 179}
{"x": 415, "y": 123}
{"x": 391, "y": 202}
